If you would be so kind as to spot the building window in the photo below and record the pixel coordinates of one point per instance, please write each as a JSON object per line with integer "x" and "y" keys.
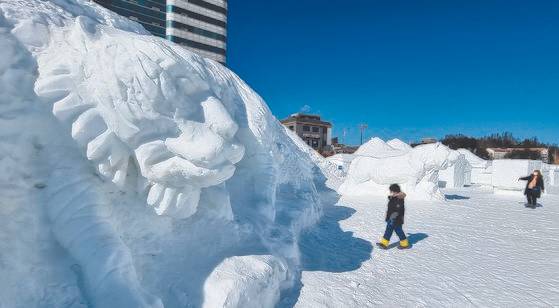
{"x": 306, "y": 128}
{"x": 315, "y": 143}
{"x": 291, "y": 127}
{"x": 315, "y": 129}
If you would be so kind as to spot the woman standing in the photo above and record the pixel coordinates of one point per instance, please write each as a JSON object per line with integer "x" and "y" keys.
{"x": 534, "y": 187}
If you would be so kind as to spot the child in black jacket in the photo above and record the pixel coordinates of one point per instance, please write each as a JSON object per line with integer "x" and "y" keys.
{"x": 395, "y": 218}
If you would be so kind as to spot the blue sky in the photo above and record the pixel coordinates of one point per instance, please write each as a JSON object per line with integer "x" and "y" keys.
{"x": 409, "y": 69}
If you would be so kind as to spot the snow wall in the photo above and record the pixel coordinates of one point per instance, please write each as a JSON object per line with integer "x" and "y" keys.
{"x": 507, "y": 171}
{"x": 377, "y": 165}
{"x": 551, "y": 178}
{"x": 136, "y": 173}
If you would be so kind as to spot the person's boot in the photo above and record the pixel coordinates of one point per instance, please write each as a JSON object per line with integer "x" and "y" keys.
{"x": 383, "y": 243}
{"x": 404, "y": 244}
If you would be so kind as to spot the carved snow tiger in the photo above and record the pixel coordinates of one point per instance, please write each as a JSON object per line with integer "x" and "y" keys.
{"x": 155, "y": 108}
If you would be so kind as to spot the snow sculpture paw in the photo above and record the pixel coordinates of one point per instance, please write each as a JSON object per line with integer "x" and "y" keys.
{"x": 155, "y": 107}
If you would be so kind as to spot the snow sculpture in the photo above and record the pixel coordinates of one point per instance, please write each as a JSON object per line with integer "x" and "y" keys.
{"x": 178, "y": 132}
{"x": 161, "y": 113}
{"x": 399, "y": 144}
{"x": 480, "y": 168}
{"x": 416, "y": 169}
{"x": 376, "y": 147}
{"x": 457, "y": 175}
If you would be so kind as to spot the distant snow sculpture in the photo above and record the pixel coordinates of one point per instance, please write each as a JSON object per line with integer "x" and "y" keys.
{"x": 380, "y": 165}
{"x": 481, "y": 169}
{"x": 456, "y": 176}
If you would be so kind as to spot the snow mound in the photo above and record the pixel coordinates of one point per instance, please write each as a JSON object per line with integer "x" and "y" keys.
{"x": 474, "y": 160}
{"x": 376, "y": 147}
{"x": 245, "y": 281}
{"x": 325, "y": 167}
{"x": 399, "y": 144}
{"x": 416, "y": 169}
{"x": 137, "y": 168}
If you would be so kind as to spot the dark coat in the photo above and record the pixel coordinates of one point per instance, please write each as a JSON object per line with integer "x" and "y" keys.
{"x": 539, "y": 184}
{"x": 395, "y": 210}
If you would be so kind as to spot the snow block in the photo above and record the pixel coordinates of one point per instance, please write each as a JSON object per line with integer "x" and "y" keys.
{"x": 245, "y": 281}
{"x": 507, "y": 171}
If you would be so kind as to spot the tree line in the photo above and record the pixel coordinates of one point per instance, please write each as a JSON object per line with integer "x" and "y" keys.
{"x": 479, "y": 145}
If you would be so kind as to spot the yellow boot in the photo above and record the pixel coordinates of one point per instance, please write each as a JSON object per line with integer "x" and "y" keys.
{"x": 404, "y": 244}
{"x": 383, "y": 243}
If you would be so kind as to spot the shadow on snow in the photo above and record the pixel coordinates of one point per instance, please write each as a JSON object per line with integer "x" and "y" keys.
{"x": 413, "y": 238}
{"x": 456, "y": 197}
{"x": 326, "y": 247}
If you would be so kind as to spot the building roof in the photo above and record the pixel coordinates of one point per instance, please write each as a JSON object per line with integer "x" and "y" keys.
{"x": 305, "y": 118}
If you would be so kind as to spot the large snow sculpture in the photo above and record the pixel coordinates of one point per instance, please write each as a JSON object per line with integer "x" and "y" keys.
{"x": 416, "y": 169}
{"x": 154, "y": 107}
{"x": 175, "y": 131}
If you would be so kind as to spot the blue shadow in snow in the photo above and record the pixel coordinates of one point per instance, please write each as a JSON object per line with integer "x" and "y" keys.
{"x": 326, "y": 247}
{"x": 456, "y": 197}
{"x": 412, "y": 239}
{"x": 416, "y": 237}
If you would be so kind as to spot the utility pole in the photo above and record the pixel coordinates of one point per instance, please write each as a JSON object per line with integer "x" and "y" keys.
{"x": 362, "y": 128}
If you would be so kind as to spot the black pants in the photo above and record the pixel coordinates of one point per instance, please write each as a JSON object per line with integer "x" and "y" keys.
{"x": 532, "y": 196}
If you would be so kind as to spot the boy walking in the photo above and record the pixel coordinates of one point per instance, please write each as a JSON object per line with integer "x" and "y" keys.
{"x": 395, "y": 218}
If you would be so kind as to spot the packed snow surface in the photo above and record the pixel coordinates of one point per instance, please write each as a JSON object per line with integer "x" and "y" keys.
{"x": 377, "y": 165}
{"x": 136, "y": 173}
{"x": 477, "y": 249}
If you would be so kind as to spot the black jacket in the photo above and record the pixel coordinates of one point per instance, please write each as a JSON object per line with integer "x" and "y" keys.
{"x": 395, "y": 210}
{"x": 539, "y": 184}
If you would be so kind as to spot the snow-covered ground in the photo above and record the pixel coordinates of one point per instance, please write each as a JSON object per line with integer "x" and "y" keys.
{"x": 477, "y": 249}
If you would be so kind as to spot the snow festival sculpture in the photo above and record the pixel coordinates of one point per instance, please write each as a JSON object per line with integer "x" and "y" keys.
{"x": 380, "y": 165}
{"x": 183, "y": 134}
{"x": 160, "y": 113}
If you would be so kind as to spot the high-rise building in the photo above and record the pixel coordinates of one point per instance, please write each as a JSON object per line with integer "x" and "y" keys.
{"x": 199, "y": 25}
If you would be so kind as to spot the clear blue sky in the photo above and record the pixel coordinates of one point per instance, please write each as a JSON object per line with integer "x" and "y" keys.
{"x": 408, "y": 69}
